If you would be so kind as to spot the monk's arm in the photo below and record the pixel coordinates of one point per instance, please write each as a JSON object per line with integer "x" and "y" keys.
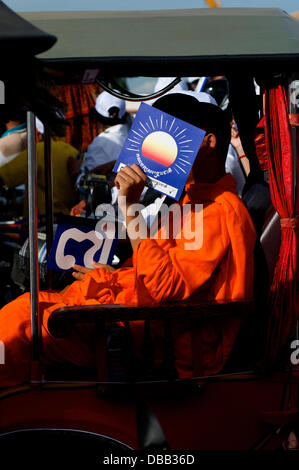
{"x": 130, "y": 181}
{"x": 175, "y": 273}
{"x": 136, "y": 231}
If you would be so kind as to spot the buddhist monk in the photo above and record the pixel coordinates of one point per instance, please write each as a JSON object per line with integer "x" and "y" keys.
{"x": 163, "y": 270}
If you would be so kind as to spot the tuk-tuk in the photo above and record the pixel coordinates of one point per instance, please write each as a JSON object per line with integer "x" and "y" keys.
{"x": 253, "y": 403}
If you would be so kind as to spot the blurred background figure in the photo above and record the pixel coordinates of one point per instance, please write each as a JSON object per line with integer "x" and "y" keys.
{"x": 291, "y": 443}
{"x": 104, "y": 150}
{"x": 13, "y": 139}
{"x": 216, "y": 87}
{"x": 14, "y": 173}
{"x": 236, "y": 161}
{"x": 162, "y": 82}
{"x": 192, "y": 82}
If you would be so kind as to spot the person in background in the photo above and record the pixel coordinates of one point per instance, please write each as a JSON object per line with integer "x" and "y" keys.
{"x": 13, "y": 140}
{"x": 201, "y": 83}
{"x": 162, "y": 82}
{"x": 236, "y": 161}
{"x": 14, "y": 173}
{"x": 197, "y": 83}
{"x": 104, "y": 150}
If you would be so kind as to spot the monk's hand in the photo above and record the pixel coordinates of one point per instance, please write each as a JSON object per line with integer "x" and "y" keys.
{"x": 130, "y": 182}
{"x": 80, "y": 271}
{"x": 104, "y": 266}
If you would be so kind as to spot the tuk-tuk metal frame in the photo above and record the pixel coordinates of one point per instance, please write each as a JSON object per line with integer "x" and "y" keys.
{"x": 32, "y": 195}
{"x": 33, "y": 241}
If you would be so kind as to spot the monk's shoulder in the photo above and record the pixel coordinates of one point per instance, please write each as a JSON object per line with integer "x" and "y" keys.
{"x": 238, "y": 208}
{"x": 213, "y": 209}
{"x": 236, "y": 213}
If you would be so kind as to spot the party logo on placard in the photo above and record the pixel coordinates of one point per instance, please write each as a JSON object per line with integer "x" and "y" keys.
{"x": 164, "y": 147}
{"x": 81, "y": 241}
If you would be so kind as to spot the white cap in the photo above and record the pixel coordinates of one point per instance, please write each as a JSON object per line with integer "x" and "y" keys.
{"x": 39, "y": 126}
{"x": 162, "y": 82}
{"x": 105, "y": 101}
{"x": 201, "y": 96}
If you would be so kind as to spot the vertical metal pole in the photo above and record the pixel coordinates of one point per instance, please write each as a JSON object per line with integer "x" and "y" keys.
{"x": 33, "y": 245}
{"x": 49, "y": 197}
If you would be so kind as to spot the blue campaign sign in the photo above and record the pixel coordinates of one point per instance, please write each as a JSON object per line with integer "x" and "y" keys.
{"x": 82, "y": 241}
{"x": 164, "y": 147}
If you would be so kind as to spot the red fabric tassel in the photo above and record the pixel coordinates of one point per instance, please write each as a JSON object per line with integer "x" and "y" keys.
{"x": 282, "y": 297}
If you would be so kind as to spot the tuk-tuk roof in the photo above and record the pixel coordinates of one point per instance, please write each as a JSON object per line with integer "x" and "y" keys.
{"x": 172, "y": 42}
{"x": 18, "y": 37}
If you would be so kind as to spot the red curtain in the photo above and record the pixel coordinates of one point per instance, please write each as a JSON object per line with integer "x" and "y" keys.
{"x": 282, "y": 299}
{"x": 80, "y": 101}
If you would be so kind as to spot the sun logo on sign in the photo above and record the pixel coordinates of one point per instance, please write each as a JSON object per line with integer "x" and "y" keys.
{"x": 162, "y": 141}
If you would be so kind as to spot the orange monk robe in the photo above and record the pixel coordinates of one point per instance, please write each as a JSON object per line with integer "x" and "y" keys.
{"x": 162, "y": 271}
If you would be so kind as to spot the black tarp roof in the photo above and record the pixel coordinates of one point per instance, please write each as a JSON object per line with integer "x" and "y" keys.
{"x": 19, "y": 37}
{"x": 172, "y": 42}
{"x": 20, "y": 71}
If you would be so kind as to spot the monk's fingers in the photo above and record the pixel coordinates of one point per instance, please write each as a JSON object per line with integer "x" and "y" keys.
{"x": 132, "y": 175}
{"x": 119, "y": 181}
{"x": 133, "y": 172}
{"x": 125, "y": 175}
{"x": 78, "y": 276}
{"x": 130, "y": 185}
{"x": 123, "y": 181}
{"x": 104, "y": 266}
{"x": 81, "y": 269}
{"x": 139, "y": 171}
{"x": 122, "y": 177}
{"x": 99, "y": 265}
{"x": 128, "y": 175}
